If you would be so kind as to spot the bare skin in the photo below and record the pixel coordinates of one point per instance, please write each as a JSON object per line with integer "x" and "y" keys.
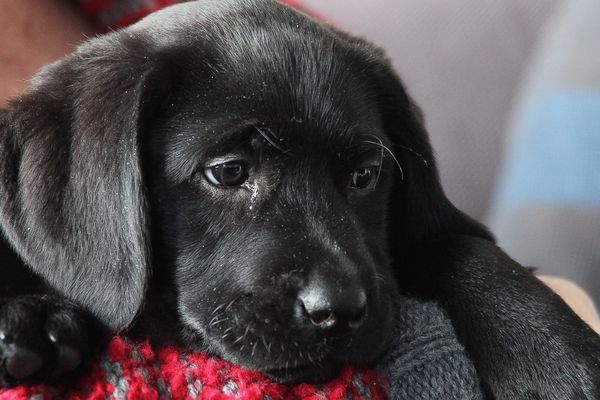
{"x": 34, "y": 33}
{"x": 576, "y": 298}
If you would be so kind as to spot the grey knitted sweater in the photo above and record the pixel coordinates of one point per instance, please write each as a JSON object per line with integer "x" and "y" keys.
{"x": 426, "y": 360}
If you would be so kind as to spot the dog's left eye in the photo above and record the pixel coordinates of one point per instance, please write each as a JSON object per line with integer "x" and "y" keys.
{"x": 362, "y": 177}
{"x": 227, "y": 174}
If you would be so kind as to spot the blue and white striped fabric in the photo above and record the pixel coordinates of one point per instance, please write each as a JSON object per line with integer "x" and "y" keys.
{"x": 547, "y": 207}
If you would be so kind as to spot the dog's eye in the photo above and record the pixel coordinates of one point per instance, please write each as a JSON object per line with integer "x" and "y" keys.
{"x": 227, "y": 174}
{"x": 362, "y": 177}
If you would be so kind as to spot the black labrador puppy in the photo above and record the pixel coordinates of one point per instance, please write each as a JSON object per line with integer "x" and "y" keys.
{"x": 240, "y": 179}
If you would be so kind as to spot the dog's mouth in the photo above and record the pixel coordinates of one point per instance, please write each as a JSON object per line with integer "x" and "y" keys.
{"x": 263, "y": 335}
{"x": 315, "y": 362}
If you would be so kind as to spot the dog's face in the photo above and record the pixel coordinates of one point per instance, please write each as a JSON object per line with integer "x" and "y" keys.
{"x": 269, "y": 186}
{"x": 254, "y": 173}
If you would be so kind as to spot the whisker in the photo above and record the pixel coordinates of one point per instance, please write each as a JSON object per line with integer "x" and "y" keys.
{"x": 217, "y": 308}
{"x": 217, "y": 322}
{"x": 230, "y": 304}
{"x": 384, "y": 147}
{"x": 266, "y": 344}
{"x": 239, "y": 339}
{"x": 213, "y": 319}
{"x": 378, "y": 280}
{"x": 380, "y": 161}
{"x": 248, "y": 327}
{"x": 264, "y": 134}
{"x": 416, "y": 153}
{"x": 379, "y": 276}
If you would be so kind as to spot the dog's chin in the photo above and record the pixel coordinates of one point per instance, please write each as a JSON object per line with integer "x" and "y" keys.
{"x": 280, "y": 367}
{"x": 305, "y": 373}
{"x": 290, "y": 372}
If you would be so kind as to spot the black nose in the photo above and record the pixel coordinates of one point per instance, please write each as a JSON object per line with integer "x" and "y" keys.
{"x": 332, "y": 308}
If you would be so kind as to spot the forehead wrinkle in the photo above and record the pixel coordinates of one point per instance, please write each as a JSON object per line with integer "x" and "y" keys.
{"x": 312, "y": 89}
{"x": 321, "y": 113}
{"x": 306, "y": 78}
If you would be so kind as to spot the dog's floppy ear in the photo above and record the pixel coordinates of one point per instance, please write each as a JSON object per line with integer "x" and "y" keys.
{"x": 73, "y": 202}
{"x": 419, "y": 207}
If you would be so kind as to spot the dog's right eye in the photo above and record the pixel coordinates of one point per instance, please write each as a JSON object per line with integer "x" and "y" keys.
{"x": 227, "y": 174}
{"x": 362, "y": 178}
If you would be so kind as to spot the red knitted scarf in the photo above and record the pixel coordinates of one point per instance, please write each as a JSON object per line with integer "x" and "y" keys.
{"x": 134, "y": 371}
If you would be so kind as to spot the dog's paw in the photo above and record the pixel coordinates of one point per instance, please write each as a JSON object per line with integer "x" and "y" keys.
{"x": 42, "y": 339}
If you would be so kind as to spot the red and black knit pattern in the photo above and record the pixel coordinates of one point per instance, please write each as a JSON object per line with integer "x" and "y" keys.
{"x": 130, "y": 371}
{"x": 107, "y": 15}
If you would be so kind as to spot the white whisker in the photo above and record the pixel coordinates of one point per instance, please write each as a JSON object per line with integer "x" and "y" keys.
{"x": 264, "y": 134}
{"x": 384, "y": 147}
{"x": 380, "y": 161}
{"x": 416, "y": 153}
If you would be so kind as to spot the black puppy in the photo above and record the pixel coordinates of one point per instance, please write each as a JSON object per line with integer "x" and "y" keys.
{"x": 237, "y": 178}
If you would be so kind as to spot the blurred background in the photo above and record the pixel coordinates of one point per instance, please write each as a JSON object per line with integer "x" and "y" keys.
{"x": 511, "y": 95}
{"x": 510, "y": 91}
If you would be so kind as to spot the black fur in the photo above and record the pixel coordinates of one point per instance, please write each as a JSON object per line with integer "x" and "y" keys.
{"x": 104, "y": 200}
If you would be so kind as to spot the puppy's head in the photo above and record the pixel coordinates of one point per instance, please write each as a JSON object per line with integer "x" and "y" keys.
{"x": 273, "y": 168}
{"x": 269, "y": 179}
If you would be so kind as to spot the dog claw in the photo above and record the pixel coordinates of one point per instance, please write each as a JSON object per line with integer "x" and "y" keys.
{"x": 52, "y": 337}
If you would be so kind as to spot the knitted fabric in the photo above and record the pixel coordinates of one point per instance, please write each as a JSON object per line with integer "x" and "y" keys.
{"x": 425, "y": 362}
{"x": 129, "y": 371}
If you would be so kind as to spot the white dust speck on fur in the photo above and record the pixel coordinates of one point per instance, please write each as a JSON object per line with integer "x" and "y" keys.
{"x": 336, "y": 246}
{"x": 254, "y": 189}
